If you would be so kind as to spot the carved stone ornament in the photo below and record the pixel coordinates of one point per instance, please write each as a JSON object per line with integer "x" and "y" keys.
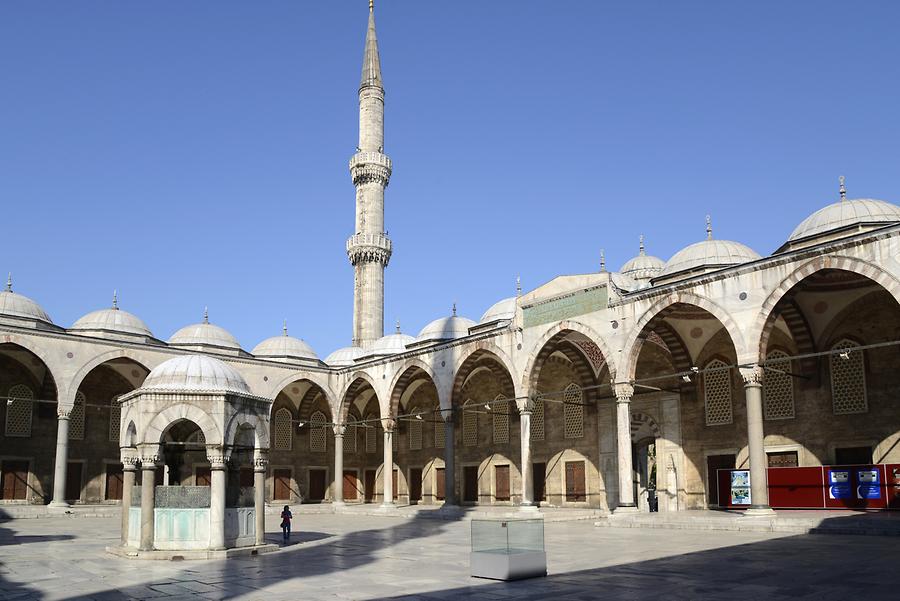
{"x": 64, "y": 412}
{"x": 752, "y": 375}
{"x": 526, "y": 405}
{"x": 339, "y": 429}
{"x": 624, "y": 392}
{"x": 389, "y": 424}
{"x": 217, "y": 459}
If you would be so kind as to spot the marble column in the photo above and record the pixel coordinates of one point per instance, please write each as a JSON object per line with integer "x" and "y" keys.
{"x": 624, "y": 392}
{"x": 149, "y": 465}
{"x": 62, "y": 457}
{"x": 449, "y": 457}
{"x": 218, "y": 465}
{"x": 759, "y": 489}
{"x": 337, "y": 498}
{"x": 129, "y": 470}
{"x": 387, "y": 472}
{"x": 260, "y": 463}
{"x": 526, "y": 407}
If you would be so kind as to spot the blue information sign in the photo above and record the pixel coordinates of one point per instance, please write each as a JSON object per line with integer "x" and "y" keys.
{"x": 839, "y": 484}
{"x": 868, "y": 484}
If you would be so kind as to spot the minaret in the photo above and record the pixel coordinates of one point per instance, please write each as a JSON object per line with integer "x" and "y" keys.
{"x": 369, "y": 249}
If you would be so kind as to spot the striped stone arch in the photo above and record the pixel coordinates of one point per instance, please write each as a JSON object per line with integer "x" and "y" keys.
{"x": 411, "y": 371}
{"x": 154, "y": 431}
{"x": 681, "y": 358}
{"x": 482, "y": 357}
{"x": 299, "y": 376}
{"x": 258, "y": 423}
{"x": 762, "y": 325}
{"x": 145, "y": 360}
{"x": 545, "y": 346}
{"x": 643, "y": 426}
{"x": 658, "y": 311}
{"x": 358, "y": 381}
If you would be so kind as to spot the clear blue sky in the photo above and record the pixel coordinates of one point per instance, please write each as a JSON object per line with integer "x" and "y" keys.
{"x": 194, "y": 154}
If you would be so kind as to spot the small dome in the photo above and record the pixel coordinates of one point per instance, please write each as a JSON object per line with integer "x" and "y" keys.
{"x": 643, "y": 266}
{"x": 391, "y": 345}
{"x": 195, "y": 372}
{"x": 708, "y": 255}
{"x": 16, "y": 305}
{"x": 445, "y": 328}
{"x": 504, "y": 309}
{"x": 284, "y": 347}
{"x": 112, "y": 320}
{"x": 844, "y": 213}
{"x": 344, "y": 356}
{"x": 204, "y": 334}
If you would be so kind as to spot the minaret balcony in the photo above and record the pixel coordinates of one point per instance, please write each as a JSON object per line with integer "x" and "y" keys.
{"x": 369, "y": 248}
{"x": 368, "y": 167}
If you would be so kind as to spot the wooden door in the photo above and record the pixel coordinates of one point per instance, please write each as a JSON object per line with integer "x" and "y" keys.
{"x": 369, "y": 486}
{"x": 394, "y": 484}
{"x": 245, "y": 479}
{"x": 317, "y": 479}
{"x": 282, "y": 488}
{"x": 203, "y": 476}
{"x": 415, "y": 485}
{"x": 351, "y": 484}
{"x": 539, "y": 482}
{"x": 714, "y": 463}
{"x": 575, "y": 489}
{"x": 15, "y": 480}
{"x": 440, "y": 483}
{"x": 73, "y": 481}
{"x": 501, "y": 482}
{"x": 114, "y": 482}
{"x": 470, "y": 484}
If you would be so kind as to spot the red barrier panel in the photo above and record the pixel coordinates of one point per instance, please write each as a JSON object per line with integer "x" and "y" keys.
{"x": 892, "y": 482}
{"x": 855, "y": 487}
{"x": 796, "y": 487}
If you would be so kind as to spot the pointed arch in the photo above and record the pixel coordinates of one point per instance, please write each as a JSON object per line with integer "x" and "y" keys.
{"x": 559, "y": 332}
{"x": 147, "y": 361}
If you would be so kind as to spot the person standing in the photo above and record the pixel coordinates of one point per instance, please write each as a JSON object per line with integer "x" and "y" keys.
{"x": 286, "y": 523}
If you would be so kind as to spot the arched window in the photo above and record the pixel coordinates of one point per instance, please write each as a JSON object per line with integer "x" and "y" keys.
{"x": 76, "y": 418}
{"x": 19, "y": 411}
{"x": 717, "y": 393}
{"x": 371, "y": 432}
{"x": 350, "y": 435}
{"x": 500, "y": 416}
{"x": 470, "y": 424}
{"x": 414, "y": 434}
{"x": 439, "y": 431}
{"x": 778, "y": 387}
{"x": 537, "y": 419}
{"x": 317, "y": 435}
{"x": 573, "y": 411}
{"x": 115, "y": 419}
{"x": 284, "y": 434}
{"x": 848, "y": 379}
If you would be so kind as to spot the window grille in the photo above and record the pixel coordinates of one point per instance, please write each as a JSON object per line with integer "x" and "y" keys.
{"x": 115, "y": 419}
{"x": 778, "y": 387}
{"x": 717, "y": 394}
{"x": 19, "y": 411}
{"x": 370, "y": 433}
{"x": 439, "y": 432}
{"x": 573, "y": 411}
{"x": 470, "y": 424}
{"x": 395, "y": 438}
{"x": 414, "y": 434}
{"x": 350, "y": 435}
{"x": 848, "y": 380}
{"x": 284, "y": 434}
{"x": 537, "y": 420}
{"x": 76, "y": 418}
{"x": 317, "y": 437}
{"x": 500, "y": 415}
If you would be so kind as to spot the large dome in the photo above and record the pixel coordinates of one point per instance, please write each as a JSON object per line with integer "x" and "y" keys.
{"x": 643, "y": 266}
{"x": 344, "y": 356}
{"x": 112, "y": 320}
{"x": 391, "y": 344}
{"x": 16, "y": 305}
{"x": 706, "y": 256}
{"x": 204, "y": 334}
{"x": 446, "y": 328}
{"x": 846, "y": 213}
{"x": 196, "y": 372}
{"x": 284, "y": 348}
{"x": 501, "y": 310}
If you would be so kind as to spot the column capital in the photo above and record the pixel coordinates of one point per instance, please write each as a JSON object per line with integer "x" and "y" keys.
{"x": 339, "y": 429}
{"x": 217, "y": 458}
{"x": 64, "y": 412}
{"x": 526, "y": 405}
{"x": 130, "y": 458}
{"x": 150, "y": 456}
{"x": 624, "y": 391}
{"x": 447, "y": 415}
{"x": 260, "y": 460}
{"x": 388, "y": 423}
{"x": 752, "y": 375}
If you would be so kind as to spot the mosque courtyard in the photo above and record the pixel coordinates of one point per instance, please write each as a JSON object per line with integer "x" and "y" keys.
{"x": 371, "y": 557}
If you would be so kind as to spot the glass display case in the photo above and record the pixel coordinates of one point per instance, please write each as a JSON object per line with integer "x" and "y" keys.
{"x": 508, "y": 548}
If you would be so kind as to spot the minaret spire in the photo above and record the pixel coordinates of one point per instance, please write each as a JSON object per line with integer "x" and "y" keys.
{"x": 369, "y": 248}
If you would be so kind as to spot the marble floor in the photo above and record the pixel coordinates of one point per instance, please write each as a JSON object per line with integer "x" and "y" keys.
{"x": 335, "y": 556}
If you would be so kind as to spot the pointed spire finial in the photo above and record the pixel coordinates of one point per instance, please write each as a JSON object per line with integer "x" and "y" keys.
{"x": 454, "y": 309}
{"x": 371, "y": 6}
{"x": 371, "y": 69}
{"x": 518, "y": 286}
{"x": 602, "y": 261}
{"x": 284, "y": 327}
{"x": 398, "y": 326}
{"x": 708, "y": 227}
{"x": 843, "y": 190}
{"x": 205, "y": 314}
{"x": 642, "y": 245}
{"x": 115, "y": 299}
{"x": 9, "y": 282}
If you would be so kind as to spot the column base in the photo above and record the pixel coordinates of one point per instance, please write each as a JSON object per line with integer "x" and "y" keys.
{"x": 626, "y": 509}
{"x": 59, "y": 505}
{"x": 387, "y": 506}
{"x": 529, "y": 508}
{"x": 760, "y": 512}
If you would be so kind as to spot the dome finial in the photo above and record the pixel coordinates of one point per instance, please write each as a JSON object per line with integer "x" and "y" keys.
{"x": 708, "y": 227}
{"x": 398, "y": 326}
{"x": 842, "y": 189}
{"x": 9, "y": 282}
{"x": 642, "y": 245}
{"x": 371, "y": 6}
{"x": 205, "y": 314}
{"x": 115, "y": 300}
{"x": 454, "y": 309}
{"x": 602, "y": 261}
{"x": 284, "y": 327}
{"x": 518, "y": 285}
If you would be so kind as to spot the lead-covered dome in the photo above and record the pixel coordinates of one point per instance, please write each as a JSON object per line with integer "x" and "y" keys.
{"x": 446, "y": 328}
{"x": 344, "y": 356}
{"x": 13, "y": 304}
{"x": 500, "y": 311}
{"x": 283, "y": 348}
{"x": 112, "y": 321}
{"x": 204, "y": 334}
{"x": 196, "y": 373}
{"x": 707, "y": 256}
{"x": 390, "y": 345}
{"x": 643, "y": 267}
{"x": 860, "y": 212}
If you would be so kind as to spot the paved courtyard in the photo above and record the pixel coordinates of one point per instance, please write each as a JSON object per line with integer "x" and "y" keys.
{"x": 367, "y": 557}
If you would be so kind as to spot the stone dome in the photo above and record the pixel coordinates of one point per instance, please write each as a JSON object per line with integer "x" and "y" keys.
{"x": 204, "y": 334}
{"x": 846, "y": 213}
{"x": 13, "y": 304}
{"x": 501, "y": 310}
{"x": 446, "y": 328}
{"x": 344, "y": 356}
{"x": 113, "y": 320}
{"x": 284, "y": 347}
{"x": 196, "y": 372}
{"x": 706, "y": 256}
{"x": 643, "y": 266}
{"x": 391, "y": 344}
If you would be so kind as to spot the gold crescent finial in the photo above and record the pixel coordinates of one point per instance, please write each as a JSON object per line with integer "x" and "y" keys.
{"x": 708, "y": 227}
{"x": 205, "y": 314}
{"x": 642, "y": 244}
{"x": 398, "y": 326}
{"x": 371, "y": 6}
{"x": 843, "y": 190}
{"x": 115, "y": 299}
